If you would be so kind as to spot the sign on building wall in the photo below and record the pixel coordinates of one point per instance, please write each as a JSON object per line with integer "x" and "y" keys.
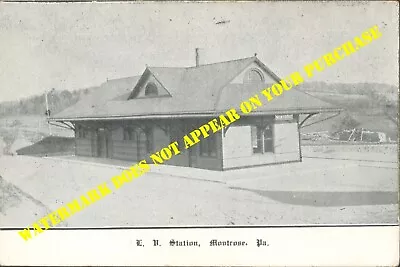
{"x": 284, "y": 117}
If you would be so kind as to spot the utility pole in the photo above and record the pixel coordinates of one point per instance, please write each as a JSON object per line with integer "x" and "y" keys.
{"x": 48, "y": 112}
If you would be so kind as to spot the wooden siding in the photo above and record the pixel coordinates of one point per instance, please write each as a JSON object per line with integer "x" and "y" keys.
{"x": 238, "y": 150}
{"x": 211, "y": 163}
{"x": 178, "y": 130}
{"x": 85, "y": 146}
{"x": 124, "y": 149}
{"x": 233, "y": 150}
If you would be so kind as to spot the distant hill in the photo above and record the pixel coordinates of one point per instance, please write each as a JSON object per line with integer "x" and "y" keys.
{"x": 36, "y": 105}
{"x": 375, "y": 98}
{"x": 371, "y": 106}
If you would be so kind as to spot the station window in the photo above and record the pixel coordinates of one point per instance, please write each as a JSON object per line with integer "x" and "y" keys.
{"x": 174, "y": 133}
{"x": 151, "y": 90}
{"x": 208, "y": 146}
{"x": 78, "y": 131}
{"x": 81, "y": 132}
{"x": 262, "y": 139}
{"x": 253, "y": 76}
{"x": 129, "y": 134}
{"x": 148, "y": 133}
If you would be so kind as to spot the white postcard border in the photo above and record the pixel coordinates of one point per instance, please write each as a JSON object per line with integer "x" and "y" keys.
{"x": 288, "y": 246}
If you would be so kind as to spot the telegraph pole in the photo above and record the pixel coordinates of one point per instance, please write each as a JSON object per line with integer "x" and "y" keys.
{"x": 48, "y": 112}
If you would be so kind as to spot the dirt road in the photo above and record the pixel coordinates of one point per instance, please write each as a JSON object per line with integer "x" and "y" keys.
{"x": 316, "y": 191}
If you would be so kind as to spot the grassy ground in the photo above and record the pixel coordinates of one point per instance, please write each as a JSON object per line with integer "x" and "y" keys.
{"x": 316, "y": 191}
{"x": 16, "y": 205}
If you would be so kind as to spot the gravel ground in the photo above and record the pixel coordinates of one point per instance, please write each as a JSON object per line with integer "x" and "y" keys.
{"x": 316, "y": 191}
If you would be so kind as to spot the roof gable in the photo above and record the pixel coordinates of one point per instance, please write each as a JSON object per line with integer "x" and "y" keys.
{"x": 205, "y": 89}
{"x": 146, "y": 79}
{"x": 268, "y": 77}
{"x": 198, "y": 87}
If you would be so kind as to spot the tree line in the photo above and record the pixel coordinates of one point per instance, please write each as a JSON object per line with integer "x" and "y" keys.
{"x": 36, "y": 105}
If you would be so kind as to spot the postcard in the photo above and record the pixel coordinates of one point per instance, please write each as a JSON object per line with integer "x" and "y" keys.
{"x": 199, "y": 133}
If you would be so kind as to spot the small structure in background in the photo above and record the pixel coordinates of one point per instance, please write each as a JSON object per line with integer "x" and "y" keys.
{"x": 361, "y": 135}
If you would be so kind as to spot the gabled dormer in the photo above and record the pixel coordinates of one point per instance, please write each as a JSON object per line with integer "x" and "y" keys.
{"x": 256, "y": 72}
{"x": 149, "y": 86}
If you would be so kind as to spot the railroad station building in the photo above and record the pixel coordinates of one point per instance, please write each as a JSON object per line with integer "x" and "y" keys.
{"x": 134, "y": 117}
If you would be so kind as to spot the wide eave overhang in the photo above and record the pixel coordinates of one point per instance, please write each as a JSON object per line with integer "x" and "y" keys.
{"x": 193, "y": 115}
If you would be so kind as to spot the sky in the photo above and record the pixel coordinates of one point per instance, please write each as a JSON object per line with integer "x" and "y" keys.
{"x": 68, "y": 46}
